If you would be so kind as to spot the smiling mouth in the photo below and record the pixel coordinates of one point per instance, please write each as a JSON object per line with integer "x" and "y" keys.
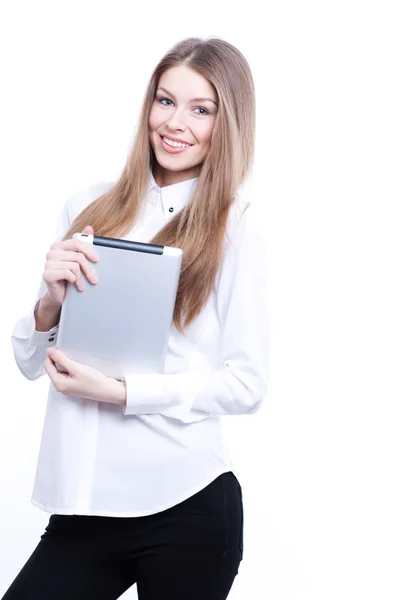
{"x": 174, "y": 144}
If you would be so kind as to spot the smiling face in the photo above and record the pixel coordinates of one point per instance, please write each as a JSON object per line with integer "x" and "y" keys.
{"x": 181, "y": 124}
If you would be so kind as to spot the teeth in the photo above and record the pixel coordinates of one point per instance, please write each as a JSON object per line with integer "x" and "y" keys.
{"x": 175, "y": 144}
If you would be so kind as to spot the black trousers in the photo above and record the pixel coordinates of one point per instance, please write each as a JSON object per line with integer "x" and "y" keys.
{"x": 191, "y": 551}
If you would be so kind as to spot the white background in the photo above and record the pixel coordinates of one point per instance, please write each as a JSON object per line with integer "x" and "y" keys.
{"x": 319, "y": 465}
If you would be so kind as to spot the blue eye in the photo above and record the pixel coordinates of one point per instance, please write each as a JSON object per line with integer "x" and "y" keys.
{"x": 162, "y": 100}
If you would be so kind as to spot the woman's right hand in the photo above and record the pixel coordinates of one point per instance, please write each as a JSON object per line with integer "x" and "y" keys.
{"x": 65, "y": 261}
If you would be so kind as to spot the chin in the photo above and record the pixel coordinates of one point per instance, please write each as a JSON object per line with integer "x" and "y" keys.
{"x": 174, "y": 165}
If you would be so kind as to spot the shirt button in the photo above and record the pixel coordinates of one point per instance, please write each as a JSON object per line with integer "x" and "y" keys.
{"x": 171, "y": 209}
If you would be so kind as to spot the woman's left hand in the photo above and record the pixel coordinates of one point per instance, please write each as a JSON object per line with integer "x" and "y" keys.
{"x": 81, "y": 380}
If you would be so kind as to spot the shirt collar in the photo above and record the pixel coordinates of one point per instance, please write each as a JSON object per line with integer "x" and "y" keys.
{"x": 174, "y": 196}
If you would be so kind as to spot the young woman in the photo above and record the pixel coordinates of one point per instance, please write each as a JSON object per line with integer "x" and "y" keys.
{"x": 135, "y": 472}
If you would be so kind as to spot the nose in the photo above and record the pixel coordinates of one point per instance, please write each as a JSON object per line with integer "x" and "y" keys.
{"x": 176, "y": 120}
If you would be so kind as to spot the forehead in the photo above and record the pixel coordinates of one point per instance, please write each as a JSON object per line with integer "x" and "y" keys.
{"x": 186, "y": 83}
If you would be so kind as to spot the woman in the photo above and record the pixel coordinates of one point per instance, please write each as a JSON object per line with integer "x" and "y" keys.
{"x": 135, "y": 472}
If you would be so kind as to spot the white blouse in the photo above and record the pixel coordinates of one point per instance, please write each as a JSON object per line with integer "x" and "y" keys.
{"x": 166, "y": 443}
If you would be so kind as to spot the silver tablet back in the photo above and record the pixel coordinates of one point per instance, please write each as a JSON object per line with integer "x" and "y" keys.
{"x": 122, "y": 323}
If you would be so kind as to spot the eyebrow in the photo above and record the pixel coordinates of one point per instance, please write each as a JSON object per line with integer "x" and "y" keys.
{"x": 193, "y": 99}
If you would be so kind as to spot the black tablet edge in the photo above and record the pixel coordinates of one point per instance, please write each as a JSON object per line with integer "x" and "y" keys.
{"x": 99, "y": 240}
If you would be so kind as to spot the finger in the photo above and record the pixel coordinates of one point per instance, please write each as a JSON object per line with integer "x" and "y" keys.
{"x": 60, "y": 267}
{"x": 53, "y": 269}
{"x": 59, "y": 275}
{"x": 77, "y": 246}
{"x": 88, "y": 229}
{"x": 66, "y": 256}
{"x": 50, "y": 368}
{"x": 60, "y": 380}
{"x": 58, "y": 356}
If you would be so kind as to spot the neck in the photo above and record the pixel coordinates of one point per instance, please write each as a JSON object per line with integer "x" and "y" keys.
{"x": 164, "y": 177}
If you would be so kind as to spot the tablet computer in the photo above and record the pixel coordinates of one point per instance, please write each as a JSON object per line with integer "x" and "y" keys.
{"x": 122, "y": 323}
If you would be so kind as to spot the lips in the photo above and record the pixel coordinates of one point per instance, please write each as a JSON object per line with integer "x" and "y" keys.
{"x": 175, "y": 140}
{"x": 173, "y": 149}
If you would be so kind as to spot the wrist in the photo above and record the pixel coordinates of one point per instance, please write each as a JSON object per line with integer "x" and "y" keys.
{"x": 118, "y": 391}
{"x": 46, "y": 303}
{"x": 46, "y": 313}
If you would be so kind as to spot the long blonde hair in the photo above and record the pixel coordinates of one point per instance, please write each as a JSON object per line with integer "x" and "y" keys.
{"x": 200, "y": 227}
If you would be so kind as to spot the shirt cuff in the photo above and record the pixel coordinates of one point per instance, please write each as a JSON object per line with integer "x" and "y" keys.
{"x": 44, "y": 338}
{"x": 169, "y": 394}
{"x": 144, "y": 394}
{"x": 41, "y": 338}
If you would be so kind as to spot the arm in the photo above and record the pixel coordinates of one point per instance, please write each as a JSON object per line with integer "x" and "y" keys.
{"x": 37, "y": 331}
{"x": 46, "y": 313}
{"x": 34, "y": 333}
{"x": 239, "y": 385}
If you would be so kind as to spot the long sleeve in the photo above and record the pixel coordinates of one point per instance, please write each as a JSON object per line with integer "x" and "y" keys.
{"x": 239, "y": 385}
{"x": 29, "y": 345}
